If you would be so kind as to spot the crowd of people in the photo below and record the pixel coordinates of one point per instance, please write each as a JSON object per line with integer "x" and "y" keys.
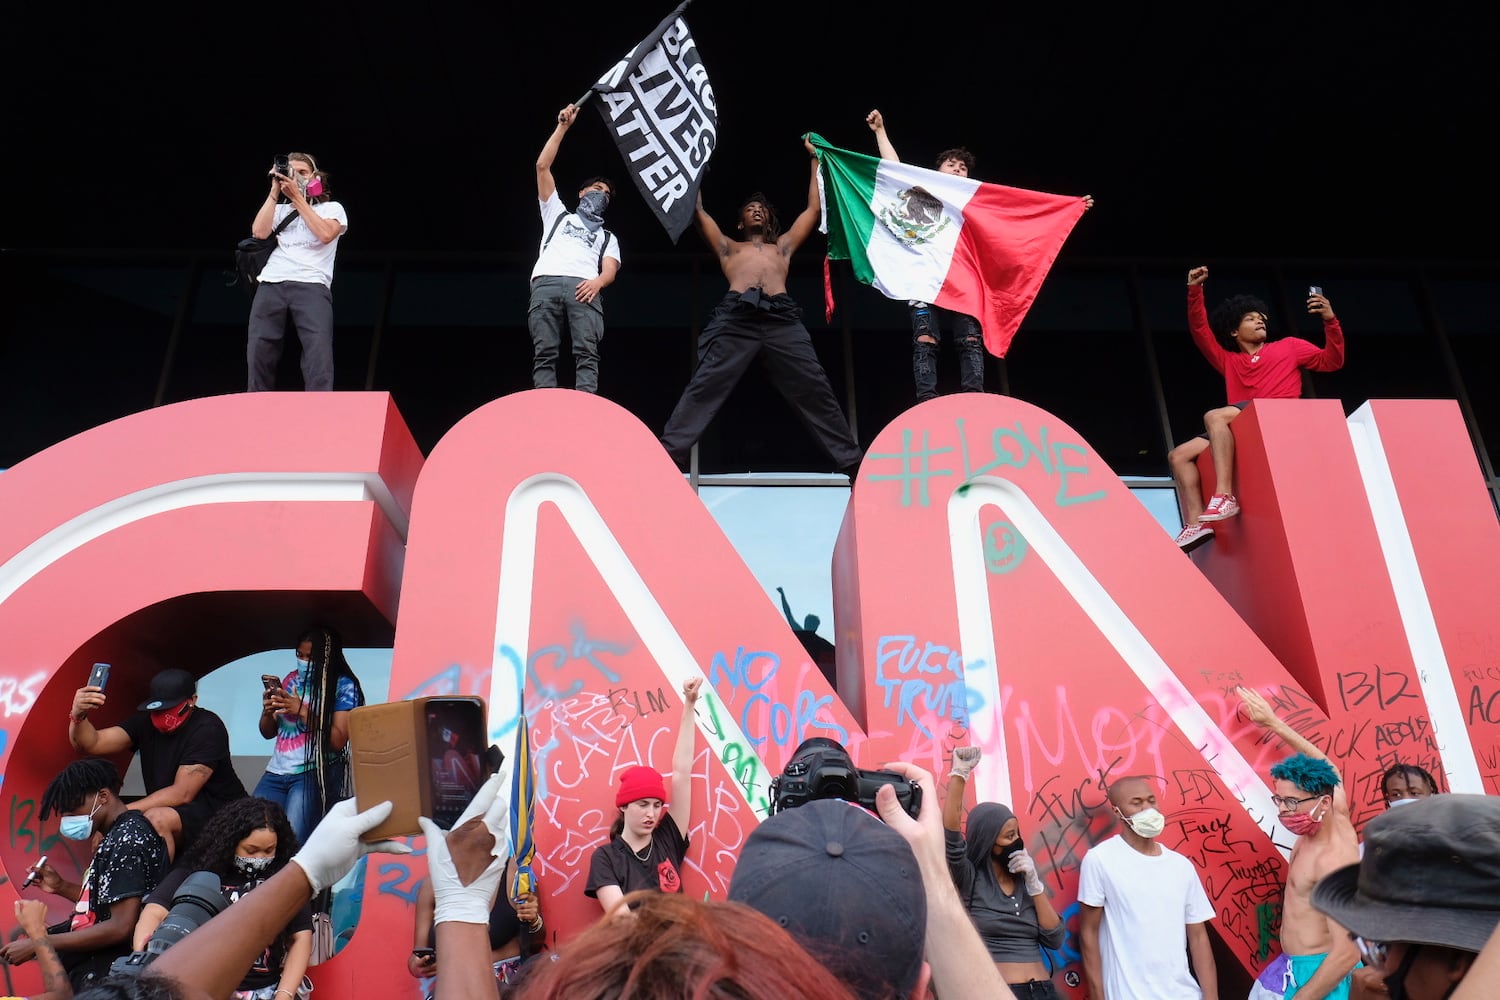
{"x": 578, "y": 258}
{"x": 195, "y": 814}
{"x": 827, "y": 899}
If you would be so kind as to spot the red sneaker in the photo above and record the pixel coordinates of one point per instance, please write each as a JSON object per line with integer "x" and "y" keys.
{"x": 1220, "y": 507}
{"x": 1194, "y": 535}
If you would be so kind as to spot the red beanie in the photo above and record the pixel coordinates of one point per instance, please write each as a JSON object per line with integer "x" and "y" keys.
{"x": 640, "y": 782}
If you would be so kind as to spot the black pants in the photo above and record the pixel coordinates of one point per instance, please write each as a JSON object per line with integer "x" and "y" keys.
{"x": 742, "y": 327}
{"x": 309, "y": 305}
{"x": 1037, "y": 989}
{"x": 968, "y": 342}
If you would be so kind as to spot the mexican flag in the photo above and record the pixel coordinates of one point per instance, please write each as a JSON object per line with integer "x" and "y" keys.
{"x": 978, "y": 249}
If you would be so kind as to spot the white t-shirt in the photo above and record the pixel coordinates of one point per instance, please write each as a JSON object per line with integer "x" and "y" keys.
{"x": 1148, "y": 903}
{"x": 299, "y": 254}
{"x": 574, "y": 250}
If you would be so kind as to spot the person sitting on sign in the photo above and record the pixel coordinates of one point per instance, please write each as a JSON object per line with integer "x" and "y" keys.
{"x": 1253, "y": 368}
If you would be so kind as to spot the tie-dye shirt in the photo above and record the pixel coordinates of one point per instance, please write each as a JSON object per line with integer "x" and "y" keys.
{"x": 290, "y": 755}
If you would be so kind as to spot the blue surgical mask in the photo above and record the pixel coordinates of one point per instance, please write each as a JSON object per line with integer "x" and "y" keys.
{"x": 303, "y": 664}
{"x": 79, "y": 827}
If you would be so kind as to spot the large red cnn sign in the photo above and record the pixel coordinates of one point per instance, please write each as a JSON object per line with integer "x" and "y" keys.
{"x": 994, "y": 583}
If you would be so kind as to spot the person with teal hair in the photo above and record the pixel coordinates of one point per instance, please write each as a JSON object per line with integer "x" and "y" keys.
{"x": 1317, "y": 954}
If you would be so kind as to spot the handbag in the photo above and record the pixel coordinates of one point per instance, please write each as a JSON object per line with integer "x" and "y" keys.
{"x": 252, "y": 253}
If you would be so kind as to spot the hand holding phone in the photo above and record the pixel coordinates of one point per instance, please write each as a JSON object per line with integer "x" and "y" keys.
{"x": 99, "y": 676}
{"x": 282, "y": 167}
{"x": 424, "y": 955}
{"x": 270, "y": 682}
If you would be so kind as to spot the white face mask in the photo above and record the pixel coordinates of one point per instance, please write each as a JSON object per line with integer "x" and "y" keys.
{"x": 1148, "y": 823}
{"x": 1399, "y": 802}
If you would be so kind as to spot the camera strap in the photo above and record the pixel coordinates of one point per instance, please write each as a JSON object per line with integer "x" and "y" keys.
{"x": 557, "y": 223}
{"x": 291, "y": 217}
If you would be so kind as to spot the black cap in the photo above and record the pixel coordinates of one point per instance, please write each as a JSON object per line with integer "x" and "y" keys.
{"x": 168, "y": 688}
{"x": 1429, "y": 875}
{"x": 845, "y": 885}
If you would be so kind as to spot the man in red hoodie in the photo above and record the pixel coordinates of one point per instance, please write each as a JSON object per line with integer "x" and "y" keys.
{"x": 1253, "y": 368}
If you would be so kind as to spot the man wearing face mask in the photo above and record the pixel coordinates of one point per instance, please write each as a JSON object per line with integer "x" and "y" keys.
{"x": 297, "y": 280}
{"x": 577, "y": 260}
{"x": 184, "y": 750}
{"x": 1311, "y": 804}
{"x": 1143, "y": 910}
{"x": 127, "y": 865}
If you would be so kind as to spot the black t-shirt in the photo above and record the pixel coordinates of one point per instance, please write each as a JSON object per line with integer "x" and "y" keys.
{"x": 615, "y": 863}
{"x": 201, "y": 739}
{"x": 266, "y": 969}
{"x": 128, "y": 863}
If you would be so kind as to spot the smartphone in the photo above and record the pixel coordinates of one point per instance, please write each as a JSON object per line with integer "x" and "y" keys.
{"x": 270, "y": 682}
{"x": 282, "y": 165}
{"x": 427, "y": 756}
{"x": 1314, "y": 290}
{"x": 456, "y": 747}
{"x": 424, "y": 955}
{"x": 99, "y": 676}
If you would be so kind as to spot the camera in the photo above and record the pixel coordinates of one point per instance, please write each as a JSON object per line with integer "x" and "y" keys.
{"x": 821, "y": 768}
{"x": 198, "y": 898}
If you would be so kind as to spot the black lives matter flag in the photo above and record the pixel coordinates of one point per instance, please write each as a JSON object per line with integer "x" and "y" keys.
{"x": 658, "y": 104}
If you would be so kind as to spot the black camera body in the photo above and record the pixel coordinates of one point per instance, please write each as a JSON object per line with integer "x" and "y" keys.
{"x": 199, "y": 897}
{"x": 821, "y": 768}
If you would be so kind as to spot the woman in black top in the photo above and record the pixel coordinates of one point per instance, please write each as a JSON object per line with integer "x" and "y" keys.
{"x": 648, "y": 840}
{"x": 246, "y": 843}
{"x": 508, "y": 919}
{"x": 991, "y": 868}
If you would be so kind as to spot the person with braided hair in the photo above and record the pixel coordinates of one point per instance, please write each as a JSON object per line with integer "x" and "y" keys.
{"x": 127, "y": 865}
{"x": 308, "y": 773}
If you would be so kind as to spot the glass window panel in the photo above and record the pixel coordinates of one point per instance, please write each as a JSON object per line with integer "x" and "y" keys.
{"x": 785, "y": 535}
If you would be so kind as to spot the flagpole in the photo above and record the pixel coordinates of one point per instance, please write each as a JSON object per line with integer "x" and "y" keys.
{"x": 587, "y": 94}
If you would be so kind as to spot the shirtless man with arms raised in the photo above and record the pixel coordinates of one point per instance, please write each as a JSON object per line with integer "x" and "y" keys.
{"x": 1311, "y": 803}
{"x": 758, "y": 317}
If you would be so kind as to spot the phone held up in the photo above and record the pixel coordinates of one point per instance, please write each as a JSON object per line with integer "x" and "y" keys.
{"x": 1314, "y": 290}
{"x": 99, "y": 676}
{"x": 270, "y": 682}
{"x": 427, "y": 756}
{"x": 282, "y": 165}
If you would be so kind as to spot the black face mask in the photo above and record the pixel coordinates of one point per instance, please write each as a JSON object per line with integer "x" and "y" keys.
{"x": 1009, "y": 850}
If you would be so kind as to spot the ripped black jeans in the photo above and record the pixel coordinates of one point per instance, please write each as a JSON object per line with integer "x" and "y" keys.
{"x": 968, "y": 340}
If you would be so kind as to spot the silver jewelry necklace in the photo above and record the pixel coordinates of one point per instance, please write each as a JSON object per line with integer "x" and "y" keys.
{"x": 643, "y": 858}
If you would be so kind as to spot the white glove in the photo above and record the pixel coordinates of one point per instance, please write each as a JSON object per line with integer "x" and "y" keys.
{"x": 964, "y": 759}
{"x": 1021, "y": 863}
{"x": 334, "y": 845}
{"x": 469, "y": 904}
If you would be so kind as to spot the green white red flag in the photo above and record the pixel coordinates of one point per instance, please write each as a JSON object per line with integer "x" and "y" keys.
{"x": 978, "y": 249}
